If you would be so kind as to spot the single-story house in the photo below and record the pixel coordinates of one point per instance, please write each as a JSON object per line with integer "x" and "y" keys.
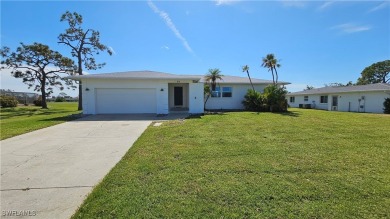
{"x": 230, "y": 92}
{"x": 160, "y": 93}
{"x": 359, "y": 98}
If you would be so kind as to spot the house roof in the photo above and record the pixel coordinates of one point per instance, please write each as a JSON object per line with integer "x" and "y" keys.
{"x": 226, "y": 79}
{"x": 345, "y": 89}
{"x": 162, "y": 75}
{"x": 135, "y": 75}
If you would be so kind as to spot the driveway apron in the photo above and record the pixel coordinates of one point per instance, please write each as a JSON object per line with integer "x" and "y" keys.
{"x": 48, "y": 173}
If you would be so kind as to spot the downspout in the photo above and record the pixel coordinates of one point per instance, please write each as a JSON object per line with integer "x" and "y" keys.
{"x": 359, "y": 105}
{"x": 85, "y": 100}
{"x": 364, "y": 104}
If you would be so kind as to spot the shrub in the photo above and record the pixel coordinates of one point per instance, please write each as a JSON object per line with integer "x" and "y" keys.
{"x": 60, "y": 99}
{"x": 276, "y": 98}
{"x": 253, "y": 101}
{"x": 386, "y": 105}
{"x": 38, "y": 102}
{"x": 273, "y": 99}
{"x": 8, "y": 101}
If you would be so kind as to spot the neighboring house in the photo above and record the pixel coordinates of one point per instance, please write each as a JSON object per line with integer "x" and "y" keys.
{"x": 360, "y": 98}
{"x": 159, "y": 93}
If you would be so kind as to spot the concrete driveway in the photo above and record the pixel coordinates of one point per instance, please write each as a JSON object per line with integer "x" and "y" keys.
{"x": 48, "y": 173}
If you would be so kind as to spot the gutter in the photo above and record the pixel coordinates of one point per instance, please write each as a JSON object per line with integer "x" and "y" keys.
{"x": 78, "y": 78}
{"x": 337, "y": 92}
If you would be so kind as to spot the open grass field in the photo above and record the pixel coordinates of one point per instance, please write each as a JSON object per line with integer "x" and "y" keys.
{"x": 302, "y": 164}
{"x": 23, "y": 119}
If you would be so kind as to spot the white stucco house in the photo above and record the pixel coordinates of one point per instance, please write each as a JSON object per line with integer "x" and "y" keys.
{"x": 230, "y": 92}
{"x": 160, "y": 93}
{"x": 361, "y": 98}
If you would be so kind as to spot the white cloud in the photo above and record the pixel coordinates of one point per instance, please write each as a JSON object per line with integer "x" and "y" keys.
{"x": 294, "y": 3}
{"x": 351, "y": 28}
{"x": 225, "y": 2}
{"x": 326, "y": 5}
{"x": 171, "y": 25}
{"x": 380, "y": 6}
{"x": 165, "y": 47}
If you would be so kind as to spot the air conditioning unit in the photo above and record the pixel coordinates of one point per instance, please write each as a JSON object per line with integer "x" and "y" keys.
{"x": 334, "y": 108}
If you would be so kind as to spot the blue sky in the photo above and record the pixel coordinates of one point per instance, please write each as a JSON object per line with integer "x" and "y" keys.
{"x": 317, "y": 42}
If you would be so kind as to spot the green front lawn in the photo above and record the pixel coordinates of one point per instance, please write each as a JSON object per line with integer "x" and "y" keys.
{"x": 302, "y": 164}
{"x": 23, "y": 119}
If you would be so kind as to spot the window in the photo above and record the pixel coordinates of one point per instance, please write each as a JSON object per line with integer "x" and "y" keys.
{"x": 227, "y": 92}
{"x": 216, "y": 93}
{"x": 292, "y": 99}
{"x": 324, "y": 99}
{"x": 306, "y": 98}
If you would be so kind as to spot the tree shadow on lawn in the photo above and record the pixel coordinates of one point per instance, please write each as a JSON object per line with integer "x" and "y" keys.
{"x": 288, "y": 113}
{"x": 208, "y": 113}
{"x": 10, "y": 113}
{"x": 64, "y": 118}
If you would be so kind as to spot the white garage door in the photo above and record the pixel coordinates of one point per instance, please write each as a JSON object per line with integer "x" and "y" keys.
{"x": 126, "y": 101}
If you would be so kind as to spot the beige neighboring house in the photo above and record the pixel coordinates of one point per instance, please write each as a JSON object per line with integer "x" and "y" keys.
{"x": 360, "y": 98}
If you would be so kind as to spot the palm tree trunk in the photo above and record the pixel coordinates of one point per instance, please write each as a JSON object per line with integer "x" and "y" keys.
{"x": 276, "y": 75}
{"x": 213, "y": 85}
{"x": 250, "y": 80}
{"x": 207, "y": 98}
{"x": 273, "y": 77}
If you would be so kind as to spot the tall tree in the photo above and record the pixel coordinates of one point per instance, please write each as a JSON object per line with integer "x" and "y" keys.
{"x": 271, "y": 63}
{"x": 84, "y": 45}
{"x": 212, "y": 76}
{"x": 38, "y": 63}
{"x": 376, "y": 73}
{"x": 245, "y": 68}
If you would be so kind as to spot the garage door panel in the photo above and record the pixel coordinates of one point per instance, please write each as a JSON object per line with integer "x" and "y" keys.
{"x": 126, "y": 101}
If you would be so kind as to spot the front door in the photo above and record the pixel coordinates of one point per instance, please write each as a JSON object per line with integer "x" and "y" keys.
{"x": 178, "y": 96}
{"x": 334, "y": 103}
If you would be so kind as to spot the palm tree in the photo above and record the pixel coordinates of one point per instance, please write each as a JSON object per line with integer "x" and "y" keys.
{"x": 271, "y": 63}
{"x": 212, "y": 76}
{"x": 277, "y": 65}
{"x": 245, "y": 68}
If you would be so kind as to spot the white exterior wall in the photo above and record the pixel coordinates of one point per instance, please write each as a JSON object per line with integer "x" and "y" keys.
{"x": 196, "y": 96}
{"x": 316, "y": 98}
{"x": 372, "y": 103}
{"x": 234, "y": 102}
{"x": 89, "y": 97}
